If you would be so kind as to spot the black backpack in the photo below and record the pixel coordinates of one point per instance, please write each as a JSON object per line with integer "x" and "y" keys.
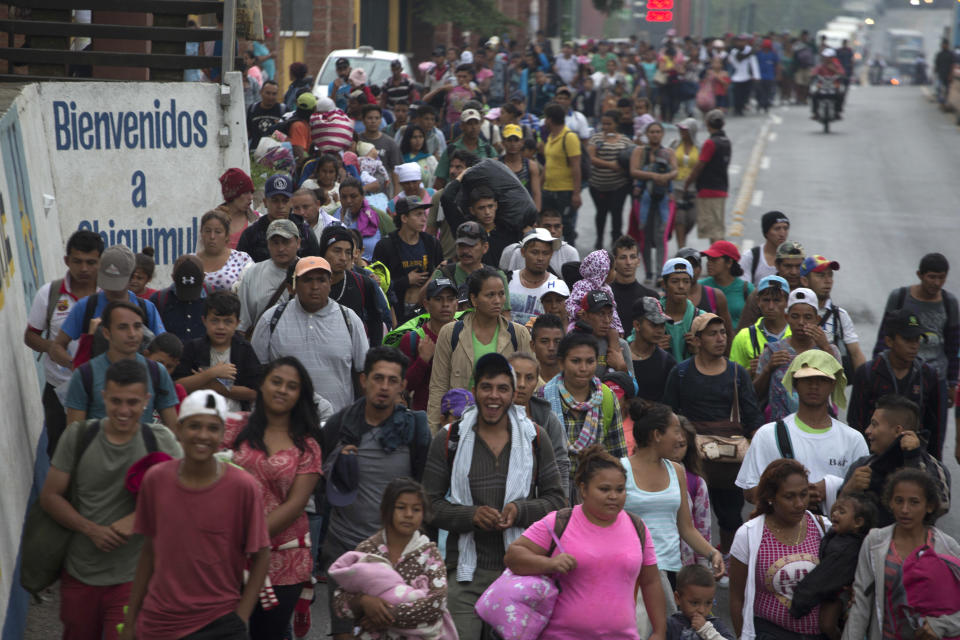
{"x": 86, "y": 378}
{"x": 99, "y": 344}
{"x": 837, "y": 340}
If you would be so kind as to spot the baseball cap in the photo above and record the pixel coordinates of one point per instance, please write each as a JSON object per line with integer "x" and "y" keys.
{"x": 789, "y": 250}
{"x": 817, "y": 264}
{"x": 517, "y": 96}
{"x": 307, "y": 101}
{"x": 596, "y": 300}
{"x": 455, "y": 402}
{"x": 723, "y": 248}
{"x": 689, "y": 253}
{"x": 406, "y": 204}
{"x": 814, "y": 363}
{"x": 436, "y": 286}
{"x": 203, "y": 402}
{"x": 829, "y": 53}
{"x": 283, "y": 227}
{"x": 904, "y": 323}
{"x": 470, "y": 114}
{"x": 188, "y": 277}
{"x": 558, "y": 287}
{"x": 802, "y": 295}
{"x": 311, "y": 263}
{"x": 715, "y": 117}
{"x": 471, "y": 233}
{"x": 701, "y": 321}
{"x": 343, "y": 62}
{"x": 542, "y": 235}
{"x": 278, "y": 184}
{"x": 807, "y": 370}
{"x": 512, "y": 131}
{"x": 676, "y": 265}
{"x": 622, "y": 384}
{"x": 649, "y": 308}
{"x": 773, "y": 282}
{"x": 116, "y": 267}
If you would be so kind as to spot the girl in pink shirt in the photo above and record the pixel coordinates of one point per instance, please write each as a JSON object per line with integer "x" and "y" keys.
{"x": 605, "y": 564}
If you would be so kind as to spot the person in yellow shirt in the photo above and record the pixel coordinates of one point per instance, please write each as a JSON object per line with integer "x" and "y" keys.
{"x": 749, "y": 342}
{"x": 562, "y": 177}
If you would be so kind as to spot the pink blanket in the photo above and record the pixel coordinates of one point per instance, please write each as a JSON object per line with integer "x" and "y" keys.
{"x": 358, "y": 572}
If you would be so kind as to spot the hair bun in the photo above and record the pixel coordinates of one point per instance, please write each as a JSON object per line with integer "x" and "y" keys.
{"x": 148, "y": 251}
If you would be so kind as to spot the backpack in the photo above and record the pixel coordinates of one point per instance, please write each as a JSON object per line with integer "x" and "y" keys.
{"x": 53, "y": 296}
{"x": 949, "y": 309}
{"x": 657, "y": 191}
{"x": 755, "y": 252}
{"x": 784, "y": 444}
{"x": 45, "y": 540}
{"x": 837, "y": 340}
{"x": 585, "y": 165}
{"x": 86, "y": 377}
{"x": 458, "y": 329}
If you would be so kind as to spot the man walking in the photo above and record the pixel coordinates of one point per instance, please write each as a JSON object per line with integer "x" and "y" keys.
{"x": 710, "y": 177}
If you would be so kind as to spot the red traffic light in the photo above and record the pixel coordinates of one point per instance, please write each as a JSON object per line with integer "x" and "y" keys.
{"x": 659, "y": 16}
{"x": 659, "y": 5}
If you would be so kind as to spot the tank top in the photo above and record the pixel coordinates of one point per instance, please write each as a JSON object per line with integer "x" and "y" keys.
{"x": 686, "y": 162}
{"x": 658, "y": 509}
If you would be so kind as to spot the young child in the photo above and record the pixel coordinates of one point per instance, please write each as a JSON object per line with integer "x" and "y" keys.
{"x": 694, "y": 597}
{"x": 697, "y": 496}
{"x": 143, "y": 274}
{"x": 222, "y": 360}
{"x": 828, "y": 585}
{"x": 167, "y": 350}
{"x": 202, "y": 521}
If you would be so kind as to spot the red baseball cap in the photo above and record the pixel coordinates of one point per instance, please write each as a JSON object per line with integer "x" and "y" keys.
{"x": 722, "y": 248}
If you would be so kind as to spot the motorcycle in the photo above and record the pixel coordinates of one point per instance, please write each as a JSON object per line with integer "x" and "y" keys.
{"x": 826, "y": 94}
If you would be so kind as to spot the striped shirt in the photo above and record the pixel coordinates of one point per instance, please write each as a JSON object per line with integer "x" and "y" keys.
{"x": 609, "y": 148}
{"x": 331, "y": 131}
{"x": 488, "y": 485}
{"x": 401, "y": 92}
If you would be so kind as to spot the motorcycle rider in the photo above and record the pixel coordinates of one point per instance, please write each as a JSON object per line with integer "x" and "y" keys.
{"x": 830, "y": 72}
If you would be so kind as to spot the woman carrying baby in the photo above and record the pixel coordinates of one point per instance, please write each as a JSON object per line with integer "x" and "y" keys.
{"x": 395, "y": 583}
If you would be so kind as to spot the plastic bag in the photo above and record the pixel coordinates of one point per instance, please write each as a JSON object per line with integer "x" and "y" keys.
{"x": 515, "y": 208}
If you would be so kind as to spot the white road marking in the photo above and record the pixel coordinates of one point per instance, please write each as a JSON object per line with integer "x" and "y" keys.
{"x": 772, "y": 137}
{"x": 734, "y": 169}
{"x": 776, "y": 119}
{"x": 757, "y": 198}
{"x": 749, "y": 182}
{"x": 765, "y": 163}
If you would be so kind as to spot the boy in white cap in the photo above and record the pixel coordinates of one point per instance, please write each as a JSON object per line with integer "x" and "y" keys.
{"x": 202, "y": 519}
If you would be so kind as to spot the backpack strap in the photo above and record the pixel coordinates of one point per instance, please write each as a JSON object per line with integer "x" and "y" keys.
{"x": 90, "y": 307}
{"x": 755, "y": 252}
{"x": 149, "y": 438}
{"x": 560, "y": 525}
{"x": 275, "y": 318}
{"x": 86, "y": 378}
{"x": 359, "y": 282}
{"x": 452, "y": 442}
{"x": 784, "y": 444}
{"x": 754, "y": 340}
{"x": 91, "y": 428}
{"x": 455, "y": 335}
{"x": 53, "y": 296}
{"x": 154, "y": 370}
{"x": 901, "y": 297}
{"x": 346, "y": 321}
{"x": 513, "y": 336}
{"x": 711, "y": 298}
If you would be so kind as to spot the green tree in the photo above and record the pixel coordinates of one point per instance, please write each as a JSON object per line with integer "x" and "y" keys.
{"x": 478, "y": 16}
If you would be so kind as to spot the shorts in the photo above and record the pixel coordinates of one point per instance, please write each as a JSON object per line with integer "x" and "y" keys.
{"x": 802, "y": 77}
{"x": 710, "y": 214}
{"x": 686, "y": 209}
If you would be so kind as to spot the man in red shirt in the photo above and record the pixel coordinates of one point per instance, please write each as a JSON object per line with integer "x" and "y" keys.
{"x": 418, "y": 345}
{"x": 831, "y": 72}
{"x": 710, "y": 176}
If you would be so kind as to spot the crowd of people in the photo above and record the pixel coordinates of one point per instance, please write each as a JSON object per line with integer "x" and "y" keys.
{"x": 438, "y": 408}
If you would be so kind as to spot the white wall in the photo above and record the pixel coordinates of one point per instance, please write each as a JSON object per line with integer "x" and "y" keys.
{"x": 51, "y": 185}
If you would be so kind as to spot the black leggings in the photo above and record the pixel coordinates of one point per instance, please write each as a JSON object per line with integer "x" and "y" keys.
{"x": 273, "y": 624}
{"x": 609, "y": 202}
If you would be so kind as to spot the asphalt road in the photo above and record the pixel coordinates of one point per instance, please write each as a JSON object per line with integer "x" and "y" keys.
{"x": 875, "y": 194}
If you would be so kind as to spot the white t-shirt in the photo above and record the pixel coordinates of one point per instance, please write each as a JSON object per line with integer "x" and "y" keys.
{"x": 524, "y": 302}
{"x": 54, "y": 374}
{"x": 846, "y": 324}
{"x": 219, "y": 357}
{"x": 828, "y": 453}
{"x": 763, "y": 269}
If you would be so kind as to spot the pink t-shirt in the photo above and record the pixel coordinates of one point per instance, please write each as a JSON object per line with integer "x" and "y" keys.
{"x": 780, "y": 568}
{"x": 201, "y": 538}
{"x": 609, "y": 560}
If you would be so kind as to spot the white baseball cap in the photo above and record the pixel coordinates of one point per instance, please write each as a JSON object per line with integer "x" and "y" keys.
{"x": 542, "y": 235}
{"x": 203, "y": 402}
{"x": 802, "y": 295}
